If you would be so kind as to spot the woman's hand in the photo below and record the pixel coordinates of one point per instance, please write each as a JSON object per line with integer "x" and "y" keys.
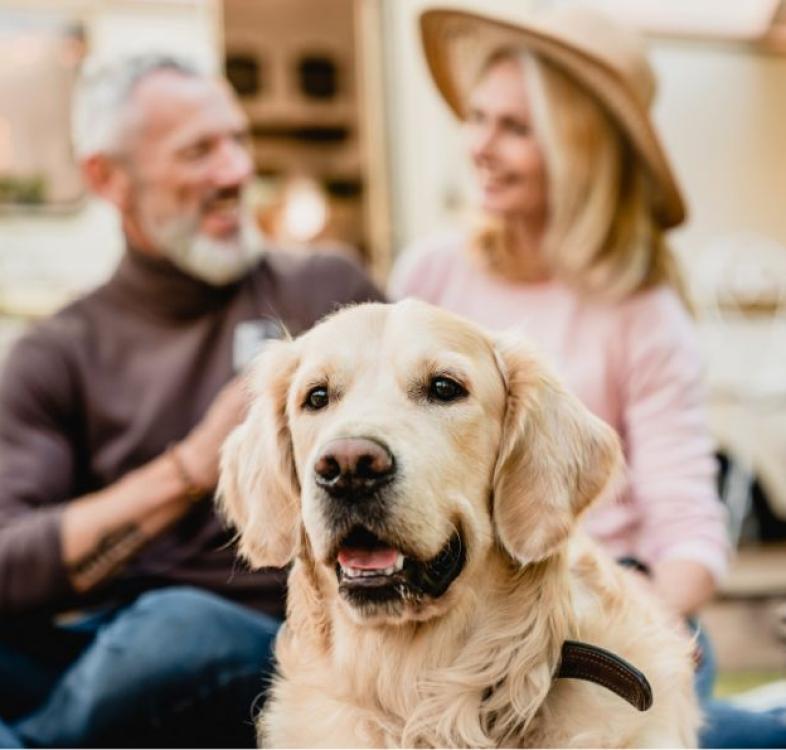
{"x": 684, "y": 585}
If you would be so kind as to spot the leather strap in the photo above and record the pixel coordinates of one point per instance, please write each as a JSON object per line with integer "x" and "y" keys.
{"x": 582, "y": 661}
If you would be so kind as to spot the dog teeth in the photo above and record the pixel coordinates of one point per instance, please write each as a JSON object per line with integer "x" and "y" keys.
{"x": 363, "y": 573}
{"x": 366, "y": 573}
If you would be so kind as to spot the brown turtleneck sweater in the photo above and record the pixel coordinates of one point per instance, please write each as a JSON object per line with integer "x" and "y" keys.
{"x": 106, "y": 385}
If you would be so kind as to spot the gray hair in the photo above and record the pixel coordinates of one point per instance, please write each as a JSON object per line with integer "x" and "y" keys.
{"x": 100, "y": 117}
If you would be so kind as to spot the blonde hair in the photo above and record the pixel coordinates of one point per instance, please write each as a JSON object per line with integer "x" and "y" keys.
{"x": 601, "y": 235}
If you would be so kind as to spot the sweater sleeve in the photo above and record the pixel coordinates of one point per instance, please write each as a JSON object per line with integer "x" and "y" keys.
{"x": 669, "y": 448}
{"x": 36, "y": 475}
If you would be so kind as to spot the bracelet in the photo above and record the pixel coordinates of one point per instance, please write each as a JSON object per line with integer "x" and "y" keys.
{"x": 190, "y": 488}
{"x": 635, "y": 564}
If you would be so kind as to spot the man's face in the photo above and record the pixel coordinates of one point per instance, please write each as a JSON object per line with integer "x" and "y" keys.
{"x": 187, "y": 163}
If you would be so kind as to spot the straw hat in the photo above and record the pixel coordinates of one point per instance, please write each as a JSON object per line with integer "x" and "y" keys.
{"x": 607, "y": 60}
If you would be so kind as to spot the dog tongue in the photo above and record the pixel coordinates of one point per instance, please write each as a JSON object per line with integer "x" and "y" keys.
{"x": 368, "y": 559}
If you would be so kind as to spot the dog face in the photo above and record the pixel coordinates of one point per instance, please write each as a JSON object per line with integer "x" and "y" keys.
{"x": 407, "y": 444}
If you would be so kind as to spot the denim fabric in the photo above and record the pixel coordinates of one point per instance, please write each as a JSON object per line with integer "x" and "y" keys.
{"x": 179, "y": 667}
{"x": 726, "y": 725}
{"x": 183, "y": 668}
{"x": 7, "y": 738}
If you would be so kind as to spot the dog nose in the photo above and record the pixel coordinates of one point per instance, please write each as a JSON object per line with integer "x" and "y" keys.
{"x": 353, "y": 467}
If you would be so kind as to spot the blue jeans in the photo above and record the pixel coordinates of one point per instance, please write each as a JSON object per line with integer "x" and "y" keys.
{"x": 726, "y": 725}
{"x": 179, "y": 667}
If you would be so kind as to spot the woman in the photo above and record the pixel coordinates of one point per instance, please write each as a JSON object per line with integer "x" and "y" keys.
{"x": 576, "y": 194}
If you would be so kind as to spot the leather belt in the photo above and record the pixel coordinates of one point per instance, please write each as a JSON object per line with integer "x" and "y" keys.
{"x": 582, "y": 661}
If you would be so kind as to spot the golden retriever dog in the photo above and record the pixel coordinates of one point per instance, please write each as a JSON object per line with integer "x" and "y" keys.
{"x": 425, "y": 479}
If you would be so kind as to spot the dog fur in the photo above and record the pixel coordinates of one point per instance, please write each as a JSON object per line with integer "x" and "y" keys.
{"x": 511, "y": 466}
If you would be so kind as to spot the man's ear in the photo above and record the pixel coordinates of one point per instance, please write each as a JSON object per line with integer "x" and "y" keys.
{"x": 258, "y": 488}
{"x": 107, "y": 179}
{"x": 555, "y": 458}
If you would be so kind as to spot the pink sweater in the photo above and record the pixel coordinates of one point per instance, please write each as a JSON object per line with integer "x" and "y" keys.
{"x": 635, "y": 364}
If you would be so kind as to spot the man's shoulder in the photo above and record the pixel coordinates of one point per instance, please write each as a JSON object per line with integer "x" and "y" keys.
{"x": 303, "y": 267}
{"x": 39, "y": 360}
{"x": 322, "y": 276}
{"x": 65, "y": 330}
{"x": 74, "y": 318}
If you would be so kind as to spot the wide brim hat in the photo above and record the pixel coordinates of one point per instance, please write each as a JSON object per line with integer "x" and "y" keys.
{"x": 606, "y": 59}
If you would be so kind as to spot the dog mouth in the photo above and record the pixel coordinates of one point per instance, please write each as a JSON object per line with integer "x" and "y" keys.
{"x": 370, "y": 569}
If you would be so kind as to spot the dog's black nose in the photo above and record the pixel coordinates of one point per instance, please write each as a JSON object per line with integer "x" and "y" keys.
{"x": 353, "y": 467}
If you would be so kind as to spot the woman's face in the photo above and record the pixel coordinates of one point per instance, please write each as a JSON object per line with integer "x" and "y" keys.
{"x": 508, "y": 160}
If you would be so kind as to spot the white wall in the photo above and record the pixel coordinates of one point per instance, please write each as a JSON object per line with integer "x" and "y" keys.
{"x": 722, "y": 113}
{"x": 48, "y": 258}
{"x": 187, "y": 27}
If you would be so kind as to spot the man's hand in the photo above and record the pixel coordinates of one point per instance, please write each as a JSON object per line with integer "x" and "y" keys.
{"x": 102, "y": 531}
{"x": 200, "y": 452}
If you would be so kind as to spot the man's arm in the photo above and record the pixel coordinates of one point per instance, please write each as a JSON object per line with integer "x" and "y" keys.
{"x": 52, "y": 545}
{"x": 101, "y": 531}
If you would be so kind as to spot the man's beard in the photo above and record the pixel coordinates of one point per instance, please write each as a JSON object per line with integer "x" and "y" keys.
{"x": 217, "y": 262}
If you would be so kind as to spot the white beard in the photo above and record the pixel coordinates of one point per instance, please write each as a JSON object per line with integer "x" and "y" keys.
{"x": 216, "y": 262}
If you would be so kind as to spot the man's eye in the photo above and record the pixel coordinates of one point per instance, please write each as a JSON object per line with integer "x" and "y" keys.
{"x": 195, "y": 151}
{"x": 445, "y": 389}
{"x": 242, "y": 139}
{"x": 316, "y": 398}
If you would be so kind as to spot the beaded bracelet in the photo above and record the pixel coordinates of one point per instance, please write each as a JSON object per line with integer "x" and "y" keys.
{"x": 190, "y": 488}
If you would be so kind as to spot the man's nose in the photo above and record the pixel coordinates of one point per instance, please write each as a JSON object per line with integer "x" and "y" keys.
{"x": 352, "y": 468}
{"x": 234, "y": 164}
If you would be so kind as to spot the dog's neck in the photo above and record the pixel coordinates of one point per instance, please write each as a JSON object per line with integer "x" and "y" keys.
{"x": 493, "y": 649}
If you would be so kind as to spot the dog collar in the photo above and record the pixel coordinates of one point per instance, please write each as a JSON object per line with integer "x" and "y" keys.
{"x": 582, "y": 661}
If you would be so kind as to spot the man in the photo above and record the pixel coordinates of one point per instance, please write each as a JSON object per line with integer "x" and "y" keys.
{"x": 124, "y": 617}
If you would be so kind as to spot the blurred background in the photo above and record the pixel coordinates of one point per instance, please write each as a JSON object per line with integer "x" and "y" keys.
{"x": 355, "y": 153}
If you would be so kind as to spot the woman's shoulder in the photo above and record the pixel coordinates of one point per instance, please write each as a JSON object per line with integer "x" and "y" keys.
{"x": 662, "y": 299}
{"x": 658, "y": 310}
{"x": 657, "y": 327}
{"x": 423, "y": 266}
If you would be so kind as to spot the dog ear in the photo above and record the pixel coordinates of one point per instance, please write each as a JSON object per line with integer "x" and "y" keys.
{"x": 555, "y": 458}
{"x": 258, "y": 488}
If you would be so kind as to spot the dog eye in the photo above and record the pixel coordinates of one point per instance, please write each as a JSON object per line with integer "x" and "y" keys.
{"x": 316, "y": 398}
{"x": 445, "y": 389}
